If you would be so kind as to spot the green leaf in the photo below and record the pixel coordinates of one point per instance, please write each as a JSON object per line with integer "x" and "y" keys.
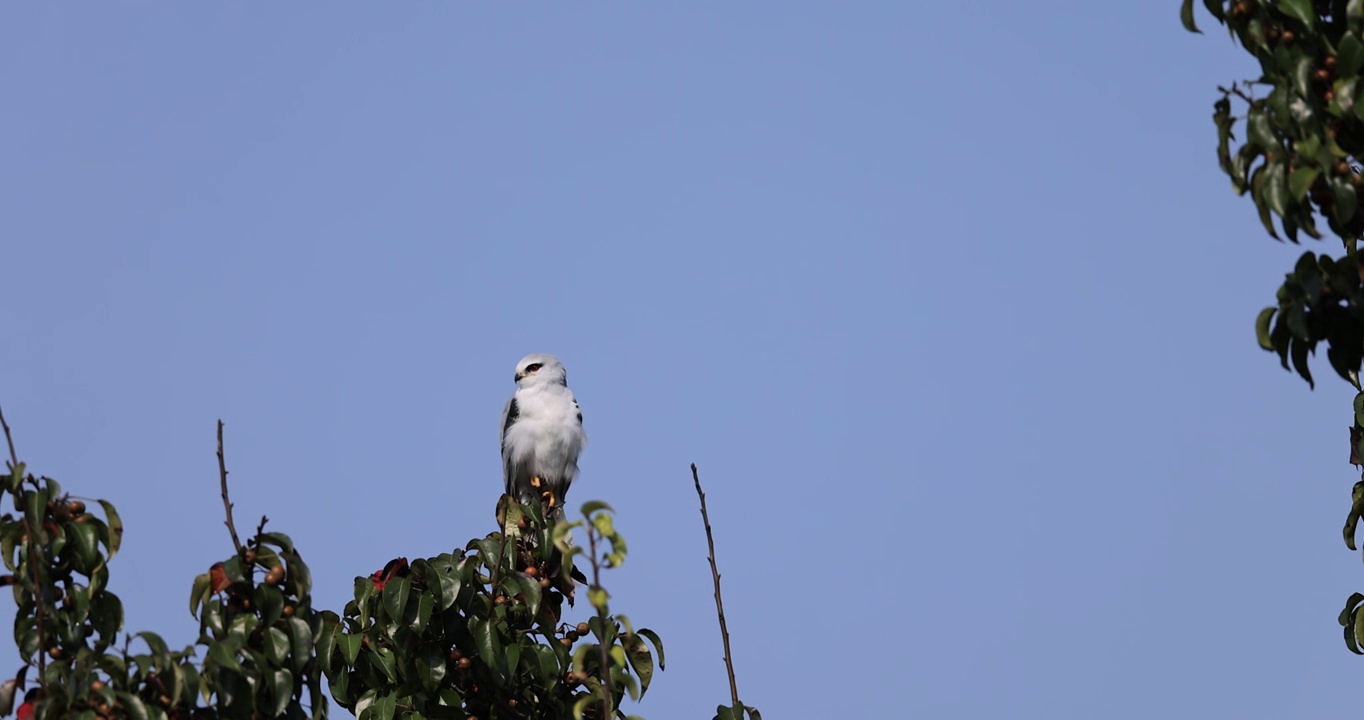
{"x": 160, "y": 652}
{"x": 200, "y": 593}
{"x": 302, "y": 642}
{"x": 1262, "y": 328}
{"x": 269, "y": 604}
{"x": 725, "y": 713}
{"x": 592, "y": 506}
{"x": 658, "y": 645}
{"x": 279, "y": 540}
{"x": 1350, "y": 604}
{"x": 1359, "y": 629}
{"x": 350, "y": 647}
{"x": 1350, "y": 55}
{"x": 488, "y": 644}
{"x": 276, "y": 647}
{"x": 1300, "y": 181}
{"x": 384, "y": 708}
{"x": 1259, "y": 129}
{"x": 431, "y": 669}
{"x": 753, "y": 713}
{"x": 1344, "y": 193}
{"x": 115, "y": 524}
{"x": 84, "y": 539}
{"x": 281, "y": 692}
{"x": 640, "y": 660}
{"x": 1359, "y": 409}
{"x": 1301, "y": 10}
{"x": 1276, "y": 186}
{"x": 1298, "y": 352}
{"x": 597, "y": 595}
{"x": 528, "y": 586}
{"x": 1186, "y": 17}
{"x": 384, "y": 659}
{"x": 106, "y": 615}
{"x": 395, "y": 597}
{"x": 132, "y": 705}
{"x": 224, "y": 656}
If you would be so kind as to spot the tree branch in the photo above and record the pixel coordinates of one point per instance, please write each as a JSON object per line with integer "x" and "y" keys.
{"x": 609, "y": 700}
{"x": 715, "y": 575}
{"x": 13, "y": 456}
{"x": 227, "y": 504}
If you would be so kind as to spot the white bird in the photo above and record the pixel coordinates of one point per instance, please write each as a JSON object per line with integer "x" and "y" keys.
{"x": 542, "y": 434}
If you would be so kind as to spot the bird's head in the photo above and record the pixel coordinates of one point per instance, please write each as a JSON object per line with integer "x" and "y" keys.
{"x": 540, "y": 369}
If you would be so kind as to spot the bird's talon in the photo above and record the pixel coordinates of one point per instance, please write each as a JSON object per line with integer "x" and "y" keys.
{"x": 535, "y": 481}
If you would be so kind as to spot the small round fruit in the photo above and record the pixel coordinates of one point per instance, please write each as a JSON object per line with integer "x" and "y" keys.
{"x": 544, "y": 583}
{"x": 275, "y": 576}
{"x": 566, "y": 642}
{"x": 1288, "y": 36}
{"x": 288, "y": 611}
{"x": 249, "y": 556}
{"x": 583, "y": 628}
{"x": 463, "y": 663}
{"x": 97, "y": 685}
{"x": 76, "y": 507}
{"x": 532, "y": 571}
{"x": 1330, "y": 62}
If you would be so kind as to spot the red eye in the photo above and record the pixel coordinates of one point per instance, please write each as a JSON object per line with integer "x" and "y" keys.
{"x": 533, "y": 367}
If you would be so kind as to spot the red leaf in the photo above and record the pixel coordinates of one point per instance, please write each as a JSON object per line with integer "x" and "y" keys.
{"x": 217, "y": 578}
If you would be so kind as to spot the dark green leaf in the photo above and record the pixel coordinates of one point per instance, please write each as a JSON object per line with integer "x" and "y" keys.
{"x": 115, "y": 524}
{"x": 276, "y": 647}
{"x": 269, "y": 604}
{"x": 1257, "y": 192}
{"x": 753, "y": 713}
{"x": 350, "y": 647}
{"x": 281, "y": 692}
{"x": 106, "y": 615}
{"x": 425, "y": 603}
{"x": 1186, "y": 16}
{"x": 279, "y": 540}
{"x": 488, "y": 644}
{"x": 1344, "y": 193}
{"x": 1276, "y": 186}
{"x": 1301, "y": 10}
{"x": 384, "y": 660}
{"x": 302, "y": 642}
{"x": 725, "y": 713}
{"x": 395, "y": 597}
{"x": 1350, "y": 55}
{"x": 1300, "y": 181}
{"x": 383, "y": 708}
{"x": 224, "y": 656}
{"x": 431, "y": 668}
{"x": 1298, "y": 352}
{"x": 84, "y": 539}
{"x": 528, "y": 586}
{"x": 132, "y": 705}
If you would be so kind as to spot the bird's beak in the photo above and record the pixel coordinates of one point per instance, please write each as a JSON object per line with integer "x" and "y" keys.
{"x": 519, "y": 375}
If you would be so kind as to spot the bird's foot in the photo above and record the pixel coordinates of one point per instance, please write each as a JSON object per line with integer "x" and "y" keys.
{"x": 535, "y": 481}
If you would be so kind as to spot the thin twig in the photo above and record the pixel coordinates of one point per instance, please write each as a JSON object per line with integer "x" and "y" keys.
{"x": 227, "y": 504}
{"x": 601, "y": 616}
{"x": 715, "y": 575}
{"x": 13, "y": 456}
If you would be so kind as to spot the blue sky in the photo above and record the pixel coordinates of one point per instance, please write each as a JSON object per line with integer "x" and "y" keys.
{"x": 949, "y": 302}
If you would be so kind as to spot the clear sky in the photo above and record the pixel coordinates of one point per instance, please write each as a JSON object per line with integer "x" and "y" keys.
{"x": 949, "y": 301}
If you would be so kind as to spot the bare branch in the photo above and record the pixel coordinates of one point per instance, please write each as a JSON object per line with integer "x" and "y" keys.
{"x": 715, "y": 575}
{"x": 13, "y": 456}
{"x": 227, "y": 504}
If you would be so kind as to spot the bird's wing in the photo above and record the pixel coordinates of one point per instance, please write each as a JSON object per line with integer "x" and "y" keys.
{"x": 509, "y": 416}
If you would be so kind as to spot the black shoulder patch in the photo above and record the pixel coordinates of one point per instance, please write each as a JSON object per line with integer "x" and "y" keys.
{"x": 512, "y": 413}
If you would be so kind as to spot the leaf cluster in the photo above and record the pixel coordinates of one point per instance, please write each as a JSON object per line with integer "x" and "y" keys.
{"x": 478, "y": 633}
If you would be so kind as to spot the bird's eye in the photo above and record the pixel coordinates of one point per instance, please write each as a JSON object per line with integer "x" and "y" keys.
{"x": 533, "y": 367}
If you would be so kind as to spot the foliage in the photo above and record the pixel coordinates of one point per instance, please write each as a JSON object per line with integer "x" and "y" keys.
{"x": 480, "y": 631}
{"x": 1303, "y": 125}
{"x": 475, "y": 633}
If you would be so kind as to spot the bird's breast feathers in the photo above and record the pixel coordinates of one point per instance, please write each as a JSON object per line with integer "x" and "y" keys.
{"x": 546, "y": 425}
